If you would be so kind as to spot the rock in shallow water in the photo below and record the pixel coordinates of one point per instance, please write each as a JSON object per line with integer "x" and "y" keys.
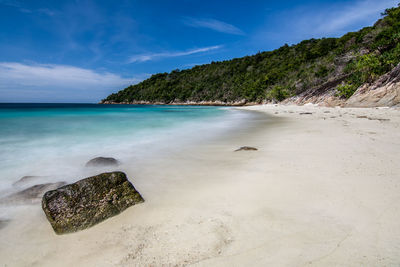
{"x": 89, "y": 201}
{"x": 30, "y": 195}
{"x": 26, "y": 180}
{"x": 102, "y": 161}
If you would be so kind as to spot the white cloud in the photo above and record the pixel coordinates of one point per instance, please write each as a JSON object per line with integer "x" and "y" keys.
{"x": 339, "y": 19}
{"x": 48, "y": 74}
{"x": 153, "y": 56}
{"x": 44, "y": 81}
{"x": 212, "y": 24}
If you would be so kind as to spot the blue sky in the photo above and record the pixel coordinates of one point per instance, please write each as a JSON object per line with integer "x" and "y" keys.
{"x": 82, "y": 50}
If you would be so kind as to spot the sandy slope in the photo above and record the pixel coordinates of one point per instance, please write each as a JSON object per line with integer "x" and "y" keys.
{"x": 323, "y": 189}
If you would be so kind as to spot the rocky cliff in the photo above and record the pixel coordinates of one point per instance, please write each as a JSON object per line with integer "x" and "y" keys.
{"x": 384, "y": 92}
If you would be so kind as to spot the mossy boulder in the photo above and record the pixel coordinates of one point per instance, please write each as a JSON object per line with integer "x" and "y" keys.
{"x": 80, "y": 205}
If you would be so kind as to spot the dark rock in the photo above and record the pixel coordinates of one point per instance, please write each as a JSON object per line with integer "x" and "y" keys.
{"x": 246, "y": 148}
{"x": 373, "y": 119}
{"x": 89, "y": 201}
{"x": 31, "y": 194}
{"x": 102, "y": 161}
{"x": 378, "y": 119}
{"x": 305, "y": 113}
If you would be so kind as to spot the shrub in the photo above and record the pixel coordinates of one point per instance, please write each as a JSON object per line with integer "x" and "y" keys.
{"x": 322, "y": 72}
{"x": 278, "y": 93}
{"x": 370, "y": 66}
{"x": 346, "y": 90}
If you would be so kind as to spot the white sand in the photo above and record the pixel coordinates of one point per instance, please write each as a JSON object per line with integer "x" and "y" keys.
{"x": 323, "y": 190}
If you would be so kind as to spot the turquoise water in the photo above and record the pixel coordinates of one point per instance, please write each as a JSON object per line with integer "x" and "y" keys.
{"x": 56, "y": 140}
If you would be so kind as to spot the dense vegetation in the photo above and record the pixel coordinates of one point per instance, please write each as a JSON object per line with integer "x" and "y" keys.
{"x": 344, "y": 63}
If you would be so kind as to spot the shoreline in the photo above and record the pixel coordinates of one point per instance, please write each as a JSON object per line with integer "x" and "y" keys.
{"x": 332, "y": 103}
{"x": 188, "y": 103}
{"x": 321, "y": 190}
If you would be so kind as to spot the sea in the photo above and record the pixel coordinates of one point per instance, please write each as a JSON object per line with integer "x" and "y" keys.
{"x": 55, "y": 141}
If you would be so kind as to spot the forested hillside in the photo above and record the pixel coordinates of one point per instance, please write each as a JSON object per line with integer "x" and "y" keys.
{"x": 340, "y": 63}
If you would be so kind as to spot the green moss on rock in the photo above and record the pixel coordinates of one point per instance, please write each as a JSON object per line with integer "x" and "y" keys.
{"x": 89, "y": 201}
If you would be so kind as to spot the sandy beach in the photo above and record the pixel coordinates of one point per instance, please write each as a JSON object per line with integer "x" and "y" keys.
{"x": 323, "y": 189}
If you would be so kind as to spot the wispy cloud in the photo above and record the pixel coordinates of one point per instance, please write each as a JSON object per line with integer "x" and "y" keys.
{"x": 48, "y": 74}
{"x": 23, "y": 9}
{"x": 190, "y": 65}
{"x": 154, "y": 56}
{"x": 57, "y": 79}
{"x": 46, "y": 11}
{"x": 212, "y": 24}
{"x": 12, "y": 3}
{"x": 339, "y": 19}
{"x": 325, "y": 20}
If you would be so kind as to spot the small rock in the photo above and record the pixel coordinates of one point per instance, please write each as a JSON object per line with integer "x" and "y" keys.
{"x": 305, "y": 113}
{"x": 26, "y": 180}
{"x": 378, "y": 119}
{"x": 246, "y": 148}
{"x": 31, "y": 194}
{"x": 102, "y": 161}
{"x": 89, "y": 201}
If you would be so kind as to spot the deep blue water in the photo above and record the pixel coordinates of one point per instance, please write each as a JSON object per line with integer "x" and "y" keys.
{"x": 57, "y": 139}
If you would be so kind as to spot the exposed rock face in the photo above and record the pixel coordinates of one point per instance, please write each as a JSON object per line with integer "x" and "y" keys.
{"x": 246, "y": 148}
{"x": 31, "y": 194}
{"x": 324, "y": 95}
{"x": 102, "y": 161}
{"x": 89, "y": 201}
{"x": 384, "y": 92}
